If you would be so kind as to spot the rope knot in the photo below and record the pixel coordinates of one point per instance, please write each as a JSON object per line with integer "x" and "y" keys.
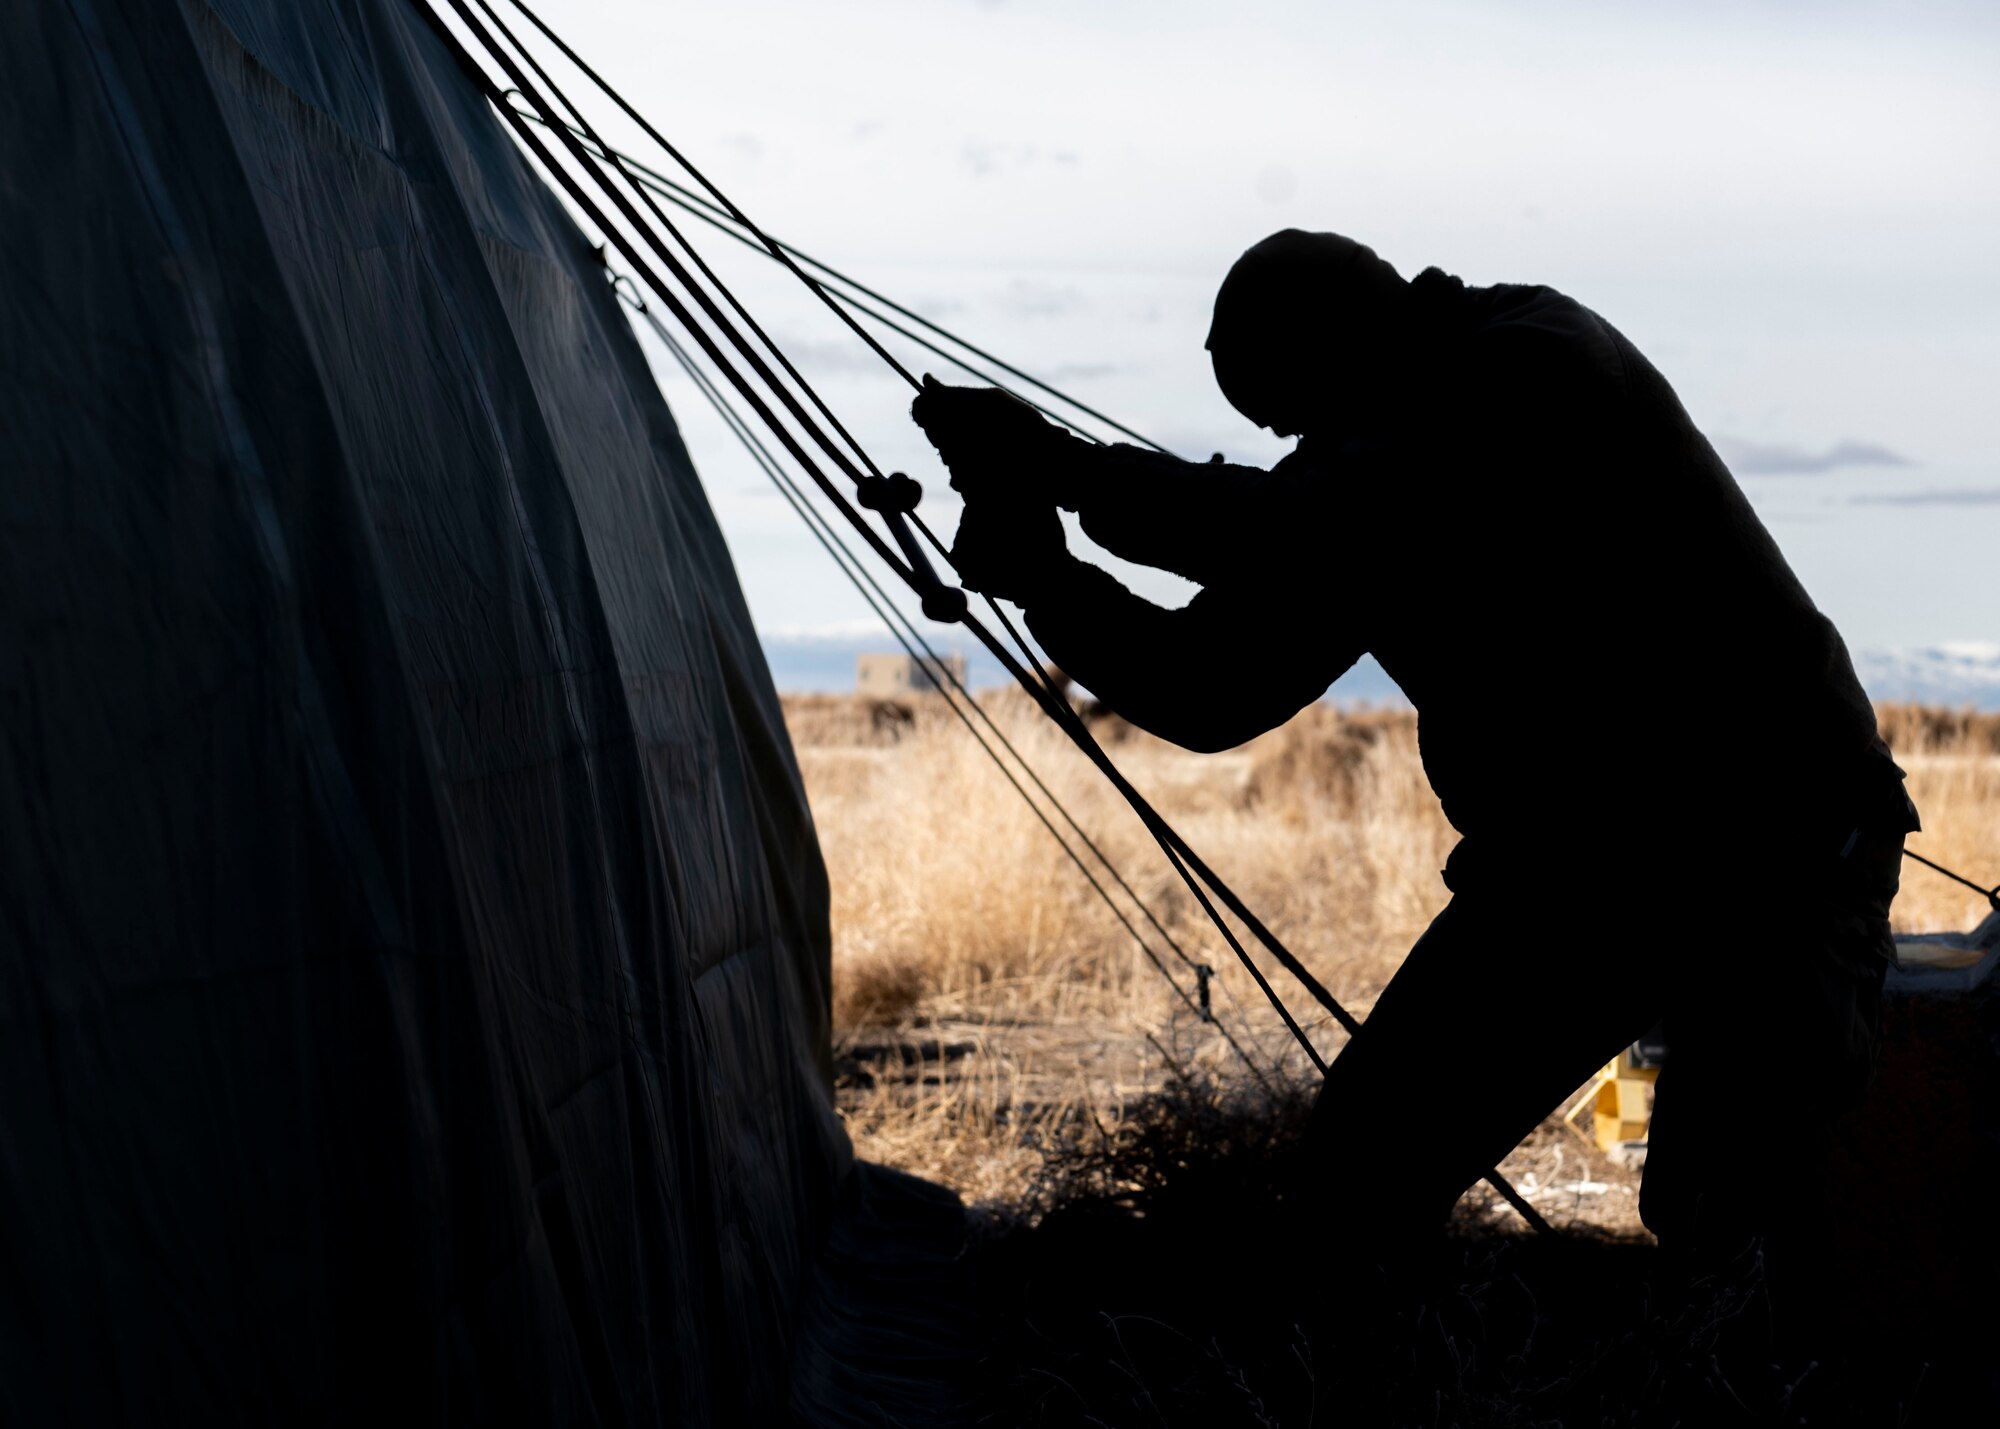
{"x": 945, "y": 604}
{"x": 894, "y": 492}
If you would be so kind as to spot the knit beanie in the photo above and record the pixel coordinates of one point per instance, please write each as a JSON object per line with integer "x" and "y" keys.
{"x": 1294, "y": 283}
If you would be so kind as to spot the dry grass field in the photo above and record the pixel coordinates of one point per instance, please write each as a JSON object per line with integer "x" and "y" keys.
{"x": 989, "y": 1007}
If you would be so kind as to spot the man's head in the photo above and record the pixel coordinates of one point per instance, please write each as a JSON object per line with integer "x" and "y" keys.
{"x": 1304, "y": 326}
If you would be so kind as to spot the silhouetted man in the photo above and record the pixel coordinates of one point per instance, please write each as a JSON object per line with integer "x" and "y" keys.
{"x": 1668, "y": 781}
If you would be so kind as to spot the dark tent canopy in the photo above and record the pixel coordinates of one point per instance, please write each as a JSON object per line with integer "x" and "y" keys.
{"x": 414, "y": 996}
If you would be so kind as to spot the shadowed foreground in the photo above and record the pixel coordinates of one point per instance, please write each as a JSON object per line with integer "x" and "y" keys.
{"x": 1153, "y": 1284}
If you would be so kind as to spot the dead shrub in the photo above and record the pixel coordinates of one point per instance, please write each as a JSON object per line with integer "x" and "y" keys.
{"x": 1924, "y": 729}
{"x": 889, "y": 720}
{"x": 1105, "y": 723}
{"x": 843, "y": 721}
{"x": 1317, "y": 757}
{"x": 877, "y": 990}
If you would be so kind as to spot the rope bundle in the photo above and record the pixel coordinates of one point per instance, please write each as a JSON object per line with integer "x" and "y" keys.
{"x": 530, "y": 101}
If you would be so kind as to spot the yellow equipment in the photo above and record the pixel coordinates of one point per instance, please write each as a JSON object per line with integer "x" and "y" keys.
{"x": 1620, "y": 1100}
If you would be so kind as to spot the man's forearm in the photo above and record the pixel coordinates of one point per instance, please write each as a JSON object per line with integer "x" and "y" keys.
{"x": 1198, "y": 520}
{"x": 1209, "y": 676}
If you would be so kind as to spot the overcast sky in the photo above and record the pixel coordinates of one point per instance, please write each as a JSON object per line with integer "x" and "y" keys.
{"x": 1792, "y": 208}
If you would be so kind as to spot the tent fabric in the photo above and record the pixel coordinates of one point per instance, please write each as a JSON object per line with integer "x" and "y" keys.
{"x": 415, "y": 994}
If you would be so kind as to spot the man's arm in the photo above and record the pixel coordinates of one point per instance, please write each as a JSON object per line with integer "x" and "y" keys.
{"x": 1205, "y": 521}
{"x": 1202, "y": 521}
{"x": 1222, "y": 669}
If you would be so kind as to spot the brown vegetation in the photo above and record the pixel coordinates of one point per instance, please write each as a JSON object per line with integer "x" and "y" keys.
{"x": 1926, "y": 729}
{"x": 959, "y": 923}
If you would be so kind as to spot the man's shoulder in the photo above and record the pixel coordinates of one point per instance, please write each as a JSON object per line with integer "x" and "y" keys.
{"x": 1510, "y": 330}
{"x": 1450, "y": 299}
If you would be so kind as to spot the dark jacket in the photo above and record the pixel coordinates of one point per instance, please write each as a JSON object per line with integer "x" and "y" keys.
{"x": 1601, "y": 639}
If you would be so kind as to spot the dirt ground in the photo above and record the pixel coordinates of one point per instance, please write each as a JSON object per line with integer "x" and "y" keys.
{"x": 1145, "y": 1271}
{"x": 1057, "y": 1076}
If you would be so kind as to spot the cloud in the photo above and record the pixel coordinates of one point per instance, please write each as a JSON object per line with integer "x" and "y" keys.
{"x": 749, "y": 146}
{"x": 1079, "y": 371}
{"x": 983, "y": 156}
{"x": 1276, "y": 183}
{"x": 1025, "y": 298}
{"x": 1958, "y": 496}
{"x": 831, "y": 357}
{"x": 1761, "y": 459}
{"x": 978, "y": 156}
{"x": 936, "y": 309}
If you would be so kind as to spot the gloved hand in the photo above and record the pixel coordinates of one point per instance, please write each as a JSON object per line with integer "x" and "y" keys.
{"x": 990, "y": 441}
{"x": 1009, "y": 547}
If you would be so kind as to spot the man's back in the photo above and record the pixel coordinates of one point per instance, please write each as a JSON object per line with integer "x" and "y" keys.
{"x": 1571, "y": 537}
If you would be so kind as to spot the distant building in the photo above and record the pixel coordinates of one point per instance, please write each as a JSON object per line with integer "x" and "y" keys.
{"x": 889, "y": 677}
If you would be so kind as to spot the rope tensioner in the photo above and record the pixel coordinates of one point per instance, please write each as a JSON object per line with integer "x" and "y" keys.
{"x": 894, "y": 497}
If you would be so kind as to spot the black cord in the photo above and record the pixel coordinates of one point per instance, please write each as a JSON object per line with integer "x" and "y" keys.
{"x": 716, "y": 217}
{"x": 886, "y": 610}
{"x": 1492, "y": 1175}
{"x": 1166, "y": 847}
{"x": 1991, "y": 895}
{"x": 776, "y": 250}
{"x": 617, "y": 161}
{"x": 1056, "y": 709}
{"x": 1170, "y": 842}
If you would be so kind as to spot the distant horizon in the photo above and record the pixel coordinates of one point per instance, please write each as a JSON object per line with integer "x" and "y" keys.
{"x": 820, "y": 660}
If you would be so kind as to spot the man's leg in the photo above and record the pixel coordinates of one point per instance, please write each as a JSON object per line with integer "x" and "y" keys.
{"x": 1769, "y": 1041}
{"x": 1492, "y": 1020}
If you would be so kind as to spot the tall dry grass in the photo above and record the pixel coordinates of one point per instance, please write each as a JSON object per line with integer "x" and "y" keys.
{"x": 1953, "y": 759}
{"x": 951, "y": 898}
{"x": 954, "y": 909}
